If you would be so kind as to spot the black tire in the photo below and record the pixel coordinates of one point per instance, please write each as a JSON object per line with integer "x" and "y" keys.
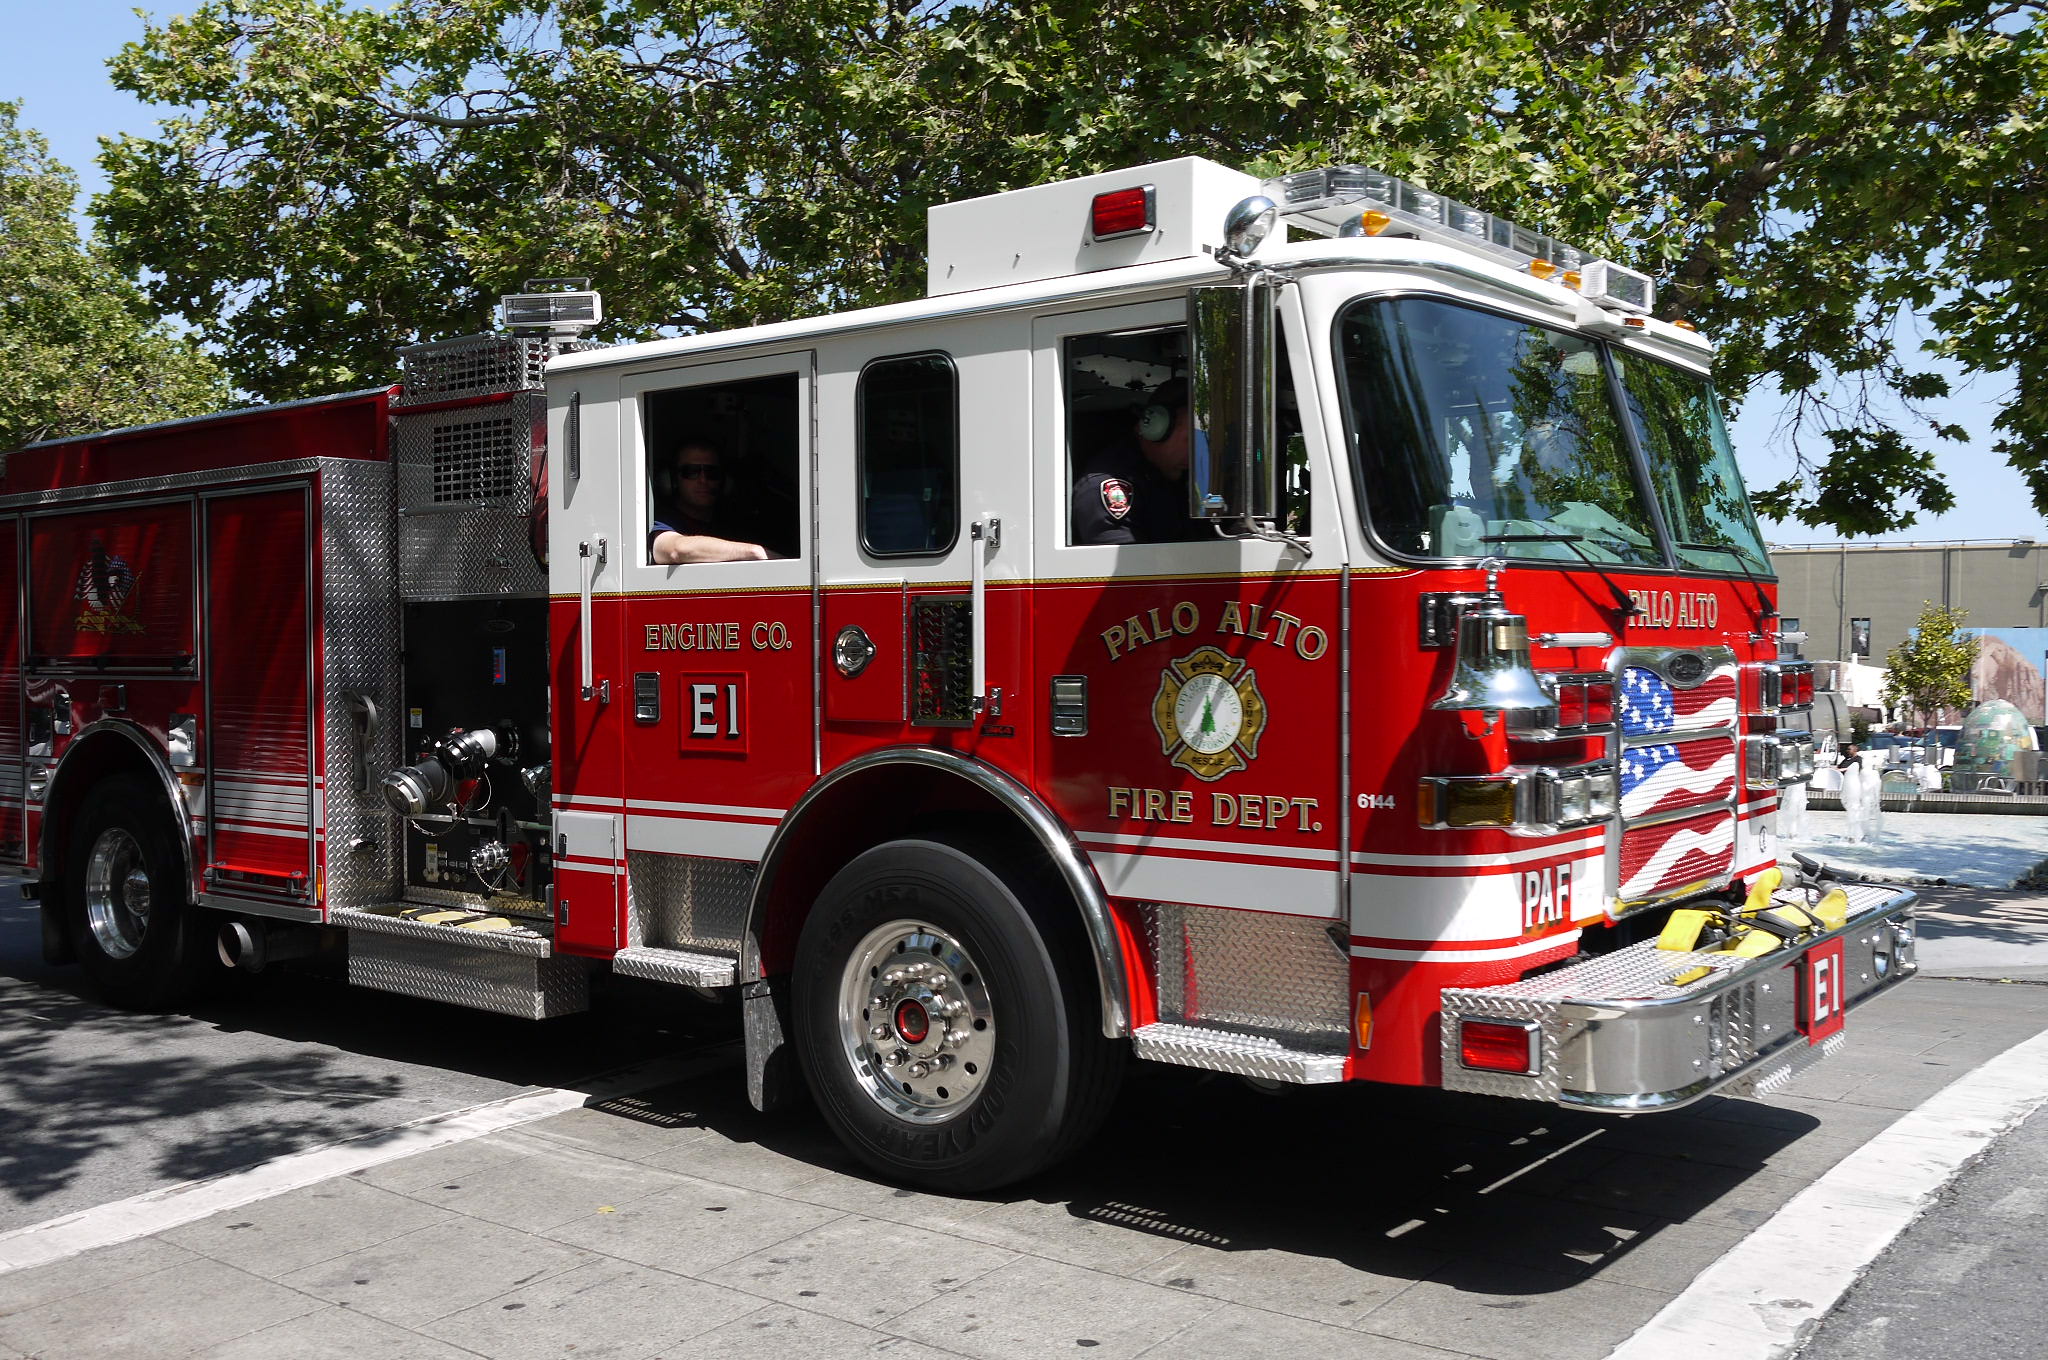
{"x": 1049, "y": 1075}
{"x": 139, "y": 960}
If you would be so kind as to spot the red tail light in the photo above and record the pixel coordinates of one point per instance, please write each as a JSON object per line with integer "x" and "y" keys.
{"x": 1571, "y": 705}
{"x": 1806, "y": 689}
{"x": 1497, "y": 1046}
{"x": 1123, "y": 212}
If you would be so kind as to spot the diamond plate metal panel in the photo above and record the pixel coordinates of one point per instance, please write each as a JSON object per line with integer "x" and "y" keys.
{"x": 687, "y": 903}
{"x": 359, "y": 649}
{"x": 1615, "y": 1033}
{"x": 464, "y": 498}
{"x": 676, "y": 967}
{"x": 520, "y": 940}
{"x": 1251, "y": 972}
{"x": 508, "y": 984}
{"x": 1240, "y": 1054}
{"x": 471, "y": 366}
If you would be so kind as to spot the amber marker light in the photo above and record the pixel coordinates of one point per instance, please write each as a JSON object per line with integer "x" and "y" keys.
{"x": 1364, "y": 1020}
{"x": 1542, "y": 269}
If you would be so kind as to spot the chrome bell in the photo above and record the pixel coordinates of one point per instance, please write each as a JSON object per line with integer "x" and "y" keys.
{"x": 1493, "y": 673}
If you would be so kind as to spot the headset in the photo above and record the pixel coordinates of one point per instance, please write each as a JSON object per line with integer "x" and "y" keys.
{"x": 1155, "y": 422}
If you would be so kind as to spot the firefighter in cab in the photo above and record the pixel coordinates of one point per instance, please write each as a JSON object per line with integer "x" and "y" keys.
{"x": 1135, "y": 489}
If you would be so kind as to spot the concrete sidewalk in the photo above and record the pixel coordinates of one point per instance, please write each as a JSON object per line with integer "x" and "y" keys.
{"x": 1207, "y": 1220}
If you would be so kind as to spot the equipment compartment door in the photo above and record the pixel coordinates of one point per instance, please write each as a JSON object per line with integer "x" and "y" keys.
{"x": 13, "y": 775}
{"x": 257, "y": 745}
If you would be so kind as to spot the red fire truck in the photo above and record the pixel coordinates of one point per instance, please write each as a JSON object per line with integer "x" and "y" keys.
{"x": 1310, "y": 629}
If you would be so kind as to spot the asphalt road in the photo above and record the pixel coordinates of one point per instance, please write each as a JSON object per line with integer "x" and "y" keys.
{"x": 98, "y": 1104}
{"x": 1207, "y": 1219}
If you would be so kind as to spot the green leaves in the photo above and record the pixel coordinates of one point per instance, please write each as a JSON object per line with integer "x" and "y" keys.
{"x": 339, "y": 181}
{"x": 78, "y": 349}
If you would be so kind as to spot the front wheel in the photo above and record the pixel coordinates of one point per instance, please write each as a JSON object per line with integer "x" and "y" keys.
{"x": 946, "y": 1016}
{"x": 131, "y": 924}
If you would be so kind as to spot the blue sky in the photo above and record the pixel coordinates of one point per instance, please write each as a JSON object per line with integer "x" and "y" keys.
{"x": 55, "y": 62}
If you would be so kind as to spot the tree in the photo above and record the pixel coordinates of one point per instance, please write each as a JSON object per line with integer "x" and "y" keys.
{"x": 1930, "y": 670}
{"x": 1801, "y": 173}
{"x": 79, "y": 348}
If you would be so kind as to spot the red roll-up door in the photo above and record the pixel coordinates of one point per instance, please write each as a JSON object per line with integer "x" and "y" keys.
{"x": 259, "y": 670}
{"x": 12, "y": 848}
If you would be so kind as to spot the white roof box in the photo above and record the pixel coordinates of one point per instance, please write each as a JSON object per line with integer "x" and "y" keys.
{"x": 1165, "y": 211}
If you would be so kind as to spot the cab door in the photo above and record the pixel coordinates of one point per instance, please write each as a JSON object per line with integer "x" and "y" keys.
{"x": 919, "y": 502}
{"x": 1196, "y": 747}
{"x": 718, "y": 690}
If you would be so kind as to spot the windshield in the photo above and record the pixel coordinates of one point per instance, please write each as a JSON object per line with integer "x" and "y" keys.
{"x": 1475, "y": 433}
{"x": 1692, "y": 466}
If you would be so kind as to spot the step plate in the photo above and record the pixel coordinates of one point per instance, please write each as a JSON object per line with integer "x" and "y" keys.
{"x": 480, "y": 979}
{"x": 1245, "y": 1055}
{"x": 384, "y": 920}
{"x": 676, "y": 966}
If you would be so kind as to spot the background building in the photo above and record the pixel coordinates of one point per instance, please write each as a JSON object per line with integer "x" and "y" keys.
{"x": 1855, "y": 602}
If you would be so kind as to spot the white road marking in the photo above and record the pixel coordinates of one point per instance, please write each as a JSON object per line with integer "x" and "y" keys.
{"x": 1759, "y": 1300}
{"x": 159, "y": 1210}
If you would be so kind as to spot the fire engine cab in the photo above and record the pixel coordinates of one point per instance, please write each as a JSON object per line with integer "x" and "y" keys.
{"x": 1309, "y": 628}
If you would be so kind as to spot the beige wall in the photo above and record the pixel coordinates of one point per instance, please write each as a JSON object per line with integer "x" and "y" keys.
{"x": 2001, "y": 584}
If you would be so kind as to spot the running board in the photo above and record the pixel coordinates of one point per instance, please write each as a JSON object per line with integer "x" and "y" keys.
{"x": 679, "y": 967}
{"x": 1245, "y": 1055}
{"x": 464, "y": 958}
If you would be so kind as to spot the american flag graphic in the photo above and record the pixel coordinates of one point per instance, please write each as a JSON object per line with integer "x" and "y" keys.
{"x": 1649, "y": 704}
{"x": 1659, "y": 778}
{"x": 1667, "y": 776}
{"x": 104, "y": 582}
{"x": 1657, "y": 859}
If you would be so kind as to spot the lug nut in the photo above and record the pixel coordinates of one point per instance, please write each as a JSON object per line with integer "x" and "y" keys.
{"x": 956, "y": 1037}
{"x": 953, "y": 1007}
{"x": 941, "y": 1061}
{"x": 879, "y": 1032}
{"x": 917, "y": 1069}
{"x": 938, "y": 982}
{"x": 893, "y": 1058}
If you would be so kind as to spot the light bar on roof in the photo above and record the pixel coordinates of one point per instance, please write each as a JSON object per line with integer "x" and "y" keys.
{"x": 1331, "y": 201}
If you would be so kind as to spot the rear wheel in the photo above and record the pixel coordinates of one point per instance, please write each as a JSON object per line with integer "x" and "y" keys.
{"x": 135, "y": 933}
{"x": 946, "y": 1016}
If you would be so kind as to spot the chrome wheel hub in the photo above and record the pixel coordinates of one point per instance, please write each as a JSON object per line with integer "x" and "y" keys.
{"x": 117, "y": 893}
{"x": 915, "y": 1022}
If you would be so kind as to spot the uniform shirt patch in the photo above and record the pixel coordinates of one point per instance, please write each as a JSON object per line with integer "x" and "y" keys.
{"x": 1116, "y": 497}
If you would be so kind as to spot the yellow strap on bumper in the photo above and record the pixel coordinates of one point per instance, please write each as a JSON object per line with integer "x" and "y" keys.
{"x": 1681, "y": 934}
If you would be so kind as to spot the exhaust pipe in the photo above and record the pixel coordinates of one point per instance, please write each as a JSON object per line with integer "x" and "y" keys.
{"x": 254, "y": 947}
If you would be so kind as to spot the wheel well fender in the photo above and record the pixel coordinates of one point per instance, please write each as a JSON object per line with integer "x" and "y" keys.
{"x": 108, "y": 747}
{"x": 890, "y": 793}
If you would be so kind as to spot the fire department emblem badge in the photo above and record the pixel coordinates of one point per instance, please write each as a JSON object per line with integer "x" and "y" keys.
{"x": 1209, "y": 713}
{"x": 1116, "y": 497}
{"x": 103, "y": 587}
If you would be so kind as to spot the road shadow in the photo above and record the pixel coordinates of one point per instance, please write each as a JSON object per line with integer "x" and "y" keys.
{"x": 1497, "y": 1197}
{"x": 80, "y": 1080}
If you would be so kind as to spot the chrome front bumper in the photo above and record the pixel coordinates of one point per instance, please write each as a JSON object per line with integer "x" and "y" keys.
{"x": 1615, "y": 1033}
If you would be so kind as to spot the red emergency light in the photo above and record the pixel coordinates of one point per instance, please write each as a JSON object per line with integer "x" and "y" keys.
{"x": 1122, "y": 212}
{"x": 1497, "y": 1045}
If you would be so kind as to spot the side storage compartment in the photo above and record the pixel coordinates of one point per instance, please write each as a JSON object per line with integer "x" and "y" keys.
{"x": 259, "y": 720}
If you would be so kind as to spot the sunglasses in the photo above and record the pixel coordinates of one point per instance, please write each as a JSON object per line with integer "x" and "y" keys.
{"x": 690, "y": 472}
